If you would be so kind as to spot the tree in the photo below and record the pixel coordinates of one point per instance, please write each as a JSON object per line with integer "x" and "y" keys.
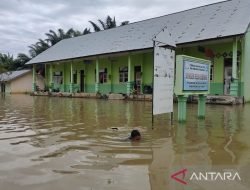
{"x": 106, "y": 24}
{"x": 86, "y": 31}
{"x": 21, "y": 60}
{"x": 124, "y": 23}
{"x": 6, "y": 62}
{"x": 95, "y": 26}
{"x": 2, "y": 65}
{"x": 76, "y": 33}
{"x": 38, "y": 47}
{"x": 55, "y": 37}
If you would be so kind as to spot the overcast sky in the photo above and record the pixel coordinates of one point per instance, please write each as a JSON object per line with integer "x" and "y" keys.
{"x": 22, "y": 22}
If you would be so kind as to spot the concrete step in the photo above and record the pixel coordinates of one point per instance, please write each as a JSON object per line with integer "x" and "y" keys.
{"x": 116, "y": 97}
{"x": 224, "y": 100}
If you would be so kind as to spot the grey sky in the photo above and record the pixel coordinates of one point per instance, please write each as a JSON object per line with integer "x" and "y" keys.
{"x": 22, "y": 22}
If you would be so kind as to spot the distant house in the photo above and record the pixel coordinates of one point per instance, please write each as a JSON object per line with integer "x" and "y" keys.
{"x": 19, "y": 81}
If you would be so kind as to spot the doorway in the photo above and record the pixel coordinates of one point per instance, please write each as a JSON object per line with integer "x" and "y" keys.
{"x": 3, "y": 87}
{"x": 82, "y": 82}
{"x": 138, "y": 79}
{"x": 227, "y": 75}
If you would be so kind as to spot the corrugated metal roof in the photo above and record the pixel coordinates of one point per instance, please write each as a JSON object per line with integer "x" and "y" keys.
{"x": 11, "y": 75}
{"x": 217, "y": 20}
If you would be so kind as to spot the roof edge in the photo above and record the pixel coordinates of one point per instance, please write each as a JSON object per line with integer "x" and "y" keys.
{"x": 91, "y": 56}
{"x": 28, "y": 71}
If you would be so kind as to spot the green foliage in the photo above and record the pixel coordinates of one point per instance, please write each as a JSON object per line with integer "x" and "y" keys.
{"x": 8, "y": 63}
{"x": 95, "y": 26}
{"x": 86, "y": 31}
{"x": 106, "y": 24}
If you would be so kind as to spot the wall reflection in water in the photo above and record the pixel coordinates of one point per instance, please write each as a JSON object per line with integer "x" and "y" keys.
{"x": 80, "y": 143}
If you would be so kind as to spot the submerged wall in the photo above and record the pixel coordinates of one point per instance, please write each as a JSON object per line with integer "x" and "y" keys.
{"x": 246, "y": 68}
{"x": 145, "y": 60}
{"x": 112, "y": 65}
{"x": 23, "y": 84}
{"x": 221, "y": 51}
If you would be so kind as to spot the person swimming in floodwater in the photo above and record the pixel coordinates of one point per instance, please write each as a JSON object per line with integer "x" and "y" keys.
{"x": 135, "y": 135}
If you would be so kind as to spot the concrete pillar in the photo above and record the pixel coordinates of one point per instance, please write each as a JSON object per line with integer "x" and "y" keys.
{"x": 130, "y": 82}
{"x": 34, "y": 78}
{"x": 182, "y": 108}
{"x": 97, "y": 85}
{"x": 51, "y": 83}
{"x": 235, "y": 81}
{"x": 246, "y": 66}
{"x": 45, "y": 74}
{"x": 201, "y": 107}
{"x": 142, "y": 74}
{"x": 64, "y": 78}
{"x": 71, "y": 78}
{"x": 110, "y": 76}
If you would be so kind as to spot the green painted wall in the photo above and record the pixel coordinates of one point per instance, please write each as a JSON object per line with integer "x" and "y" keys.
{"x": 246, "y": 69}
{"x": 148, "y": 59}
{"x": 47, "y": 66}
{"x": 57, "y": 68}
{"x": 105, "y": 88}
{"x": 90, "y": 77}
{"x": 145, "y": 60}
{"x": 118, "y": 62}
{"x": 217, "y": 84}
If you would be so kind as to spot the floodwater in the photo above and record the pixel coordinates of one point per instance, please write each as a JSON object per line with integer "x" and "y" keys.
{"x": 61, "y": 143}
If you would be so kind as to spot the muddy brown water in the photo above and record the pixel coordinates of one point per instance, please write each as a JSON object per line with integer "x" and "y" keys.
{"x": 62, "y": 143}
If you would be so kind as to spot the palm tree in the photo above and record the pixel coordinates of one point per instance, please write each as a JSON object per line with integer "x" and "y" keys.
{"x": 86, "y": 31}
{"x": 9, "y": 63}
{"x": 38, "y": 47}
{"x": 124, "y": 23}
{"x": 55, "y": 37}
{"x": 95, "y": 26}
{"x": 6, "y": 62}
{"x": 2, "y": 64}
{"x": 106, "y": 24}
{"x": 21, "y": 60}
{"x": 76, "y": 33}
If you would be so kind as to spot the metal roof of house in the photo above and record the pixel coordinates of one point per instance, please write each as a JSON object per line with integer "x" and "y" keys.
{"x": 223, "y": 19}
{"x": 11, "y": 75}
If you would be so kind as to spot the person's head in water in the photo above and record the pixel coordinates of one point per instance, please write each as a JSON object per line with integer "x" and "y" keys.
{"x": 135, "y": 135}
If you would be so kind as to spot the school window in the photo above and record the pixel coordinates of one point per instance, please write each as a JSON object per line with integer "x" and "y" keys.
{"x": 211, "y": 72}
{"x": 57, "y": 77}
{"x": 123, "y": 74}
{"x": 103, "y": 75}
{"x": 75, "y": 77}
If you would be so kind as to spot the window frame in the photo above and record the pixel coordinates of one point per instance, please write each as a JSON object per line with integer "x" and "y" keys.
{"x": 211, "y": 77}
{"x": 103, "y": 76}
{"x": 123, "y": 74}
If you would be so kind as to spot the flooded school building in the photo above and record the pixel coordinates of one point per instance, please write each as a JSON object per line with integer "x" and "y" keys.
{"x": 120, "y": 60}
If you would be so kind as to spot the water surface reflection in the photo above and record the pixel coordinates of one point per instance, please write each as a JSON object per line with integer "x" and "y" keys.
{"x": 60, "y": 143}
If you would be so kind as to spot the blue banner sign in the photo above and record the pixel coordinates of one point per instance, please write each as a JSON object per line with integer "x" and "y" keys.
{"x": 195, "y": 76}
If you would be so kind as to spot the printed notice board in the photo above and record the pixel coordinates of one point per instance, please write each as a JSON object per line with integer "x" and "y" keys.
{"x": 163, "y": 90}
{"x": 195, "y": 76}
{"x": 192, "y": 75}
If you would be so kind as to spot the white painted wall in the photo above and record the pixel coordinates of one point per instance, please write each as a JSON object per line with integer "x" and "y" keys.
{"x": 23, "y": 84}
